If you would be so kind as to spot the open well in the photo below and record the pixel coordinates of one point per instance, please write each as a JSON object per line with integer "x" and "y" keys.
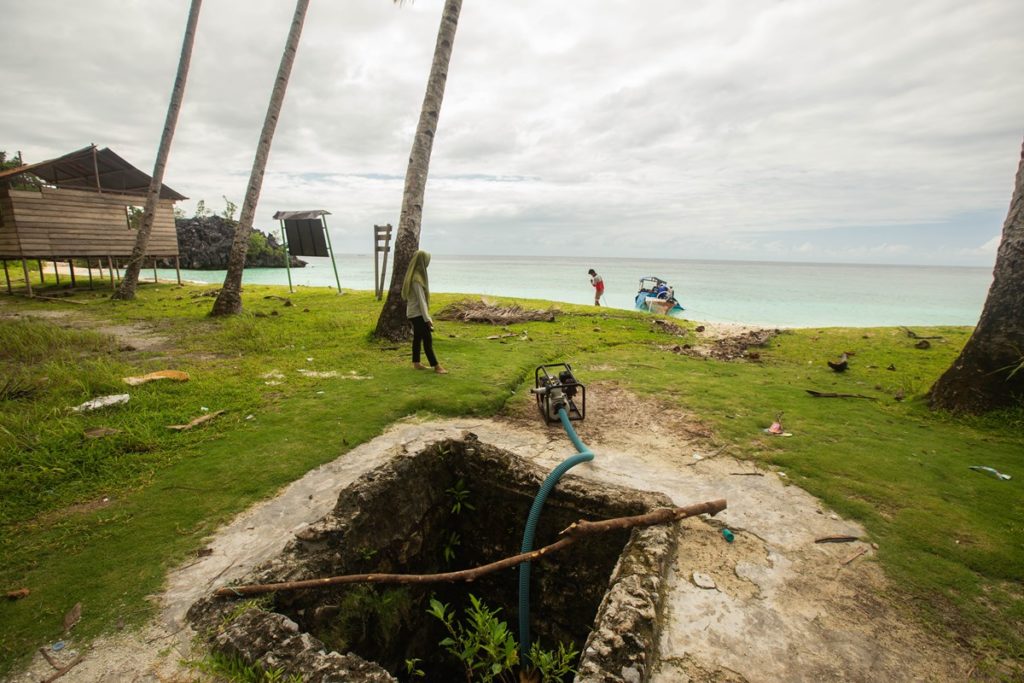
{"x": 456, "y": 504}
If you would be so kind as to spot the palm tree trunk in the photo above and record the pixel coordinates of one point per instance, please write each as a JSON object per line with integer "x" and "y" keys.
{"x": 131, "y": 274}
{"x": 392, "y": 323}
{"x": 989, "y": 373}
{"x": 229, "y": 301}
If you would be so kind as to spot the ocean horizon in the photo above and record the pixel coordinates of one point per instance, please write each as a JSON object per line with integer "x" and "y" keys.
{"x": 763, "y": 293}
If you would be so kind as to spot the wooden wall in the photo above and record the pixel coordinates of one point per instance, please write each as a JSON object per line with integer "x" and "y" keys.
{"x": 58, "y": 223}
{"x": 8, "y": 236}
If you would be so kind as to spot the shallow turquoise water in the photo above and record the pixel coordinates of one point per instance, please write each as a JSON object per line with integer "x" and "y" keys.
{"x": 759, "y": 293}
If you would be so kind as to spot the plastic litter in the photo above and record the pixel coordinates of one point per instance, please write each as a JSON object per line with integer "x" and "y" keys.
{"x": 991, "y": 470}
{"x": 102, "y": 402}
{"x": 728, "y": 535}
{"x": 776, "y": 428}
{"x": 58, "y": 646}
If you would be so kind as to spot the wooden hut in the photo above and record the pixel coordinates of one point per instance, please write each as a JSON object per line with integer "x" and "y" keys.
{"x": 83, "y": 206}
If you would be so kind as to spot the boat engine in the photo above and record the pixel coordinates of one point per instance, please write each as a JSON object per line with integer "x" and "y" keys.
{"x": 556, "y": 387}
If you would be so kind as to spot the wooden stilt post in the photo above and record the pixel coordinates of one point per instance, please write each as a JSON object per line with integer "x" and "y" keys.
{"x": 88, "y": 264}
{"x": 71, "y": 269}
{"x": 177, "y": 268}
{"x": 381, "y": 245}
{"x": 42, "y": 275}
{"x": 28, "y": 280}
{"x": 330, "y": 248}
{"x": 110, "y": 266}
{"x": 155, "y": 278}
{"x": 7, "y": 276}
{"x": 56, "y": 273}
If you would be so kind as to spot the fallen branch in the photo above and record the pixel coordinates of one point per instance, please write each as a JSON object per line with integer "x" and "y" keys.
{"x": 836, "y": 539}
{"x": 64, "y": 669}
{"x": 483, "y": 312}
{"x": 196, "y": 422}
{"x": 915, "y": 335}
{"x": 746, "y": 474}
{"x": 60, "y": 299}
{"x": 831, "y": 394}
{"x": 569, "y": 536}
{"x": 47, "y": 657}
{"x": 853, "y": 557}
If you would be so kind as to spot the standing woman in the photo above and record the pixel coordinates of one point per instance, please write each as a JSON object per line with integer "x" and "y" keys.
{"x": 416, "y": 292}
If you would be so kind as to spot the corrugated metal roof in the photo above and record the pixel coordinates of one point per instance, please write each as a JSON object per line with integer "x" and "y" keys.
{"x": 93, "y": 170}
{"x": 300, "y": 215}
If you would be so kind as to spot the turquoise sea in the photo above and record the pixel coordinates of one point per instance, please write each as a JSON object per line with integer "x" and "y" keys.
{"x": 756, "y": 293}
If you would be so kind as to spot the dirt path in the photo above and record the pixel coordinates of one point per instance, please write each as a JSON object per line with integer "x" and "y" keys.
{"x": 783, "y": 608}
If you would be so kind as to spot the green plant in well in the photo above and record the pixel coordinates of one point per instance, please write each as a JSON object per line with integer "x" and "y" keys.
{"x": 460, "y": 497}
{"x": 487, "y": 650}
{"x": 482, "y": 644}
{"x": 451, "y": 542}
{"x": 413, "y": 670}
{"x": 553, "y": 665}
{"x": 369, "y": 614}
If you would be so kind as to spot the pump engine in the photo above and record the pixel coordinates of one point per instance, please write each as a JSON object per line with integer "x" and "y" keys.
{"x": 556, "y": 387}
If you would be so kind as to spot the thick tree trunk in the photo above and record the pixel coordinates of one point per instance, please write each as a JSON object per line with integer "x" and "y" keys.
{"x": 229, "y": 301}
{"x": 392, "y": 323}
{"x": 131, "y": 274}
{"x": 989, "y": 373}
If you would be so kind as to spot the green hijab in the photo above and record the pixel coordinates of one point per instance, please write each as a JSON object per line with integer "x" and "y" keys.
{"x": 417, "y": 272}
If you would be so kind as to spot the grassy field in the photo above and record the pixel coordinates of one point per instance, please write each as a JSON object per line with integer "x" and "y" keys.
{"x": 99, "y": 521}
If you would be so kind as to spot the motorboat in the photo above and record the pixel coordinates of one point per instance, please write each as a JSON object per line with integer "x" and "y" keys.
{"x": 657, "y": 296}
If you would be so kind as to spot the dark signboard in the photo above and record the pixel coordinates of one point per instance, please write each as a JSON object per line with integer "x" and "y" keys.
{"x": 305, "y": 237}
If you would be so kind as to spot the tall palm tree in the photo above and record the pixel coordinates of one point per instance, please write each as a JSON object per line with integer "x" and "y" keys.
{"x": 229, "y": 301}
{"x": 131, "y": 273}
{"x": 392, "y": 323}
{"x": 989, "y": 373}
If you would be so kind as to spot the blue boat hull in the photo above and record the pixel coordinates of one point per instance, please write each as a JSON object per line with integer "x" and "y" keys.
{"x": 654, "y": 305}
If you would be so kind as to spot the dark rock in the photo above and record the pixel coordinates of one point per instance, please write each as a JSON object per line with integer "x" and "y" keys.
{"x": 204, "y": 243}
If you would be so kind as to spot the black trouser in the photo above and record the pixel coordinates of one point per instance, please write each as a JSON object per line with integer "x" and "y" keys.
{"x": 421, "y": 334}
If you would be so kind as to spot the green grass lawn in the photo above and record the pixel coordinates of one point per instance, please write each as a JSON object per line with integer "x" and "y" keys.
{"x": 100, "y": 521}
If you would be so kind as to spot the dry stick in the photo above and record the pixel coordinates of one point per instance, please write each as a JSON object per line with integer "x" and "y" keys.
{"x": 47, "y": 657}
{"x": 831, "y": 394}
{"x": 836, "y": 539}
{"x": 63, "y": 670}
{"x": 915, "y": 335}
{"x": 570, "y": 536}
{"x": 853, "y": 557}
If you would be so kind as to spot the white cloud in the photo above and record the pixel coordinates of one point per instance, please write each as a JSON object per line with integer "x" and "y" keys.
{"x": 612, "y": 128}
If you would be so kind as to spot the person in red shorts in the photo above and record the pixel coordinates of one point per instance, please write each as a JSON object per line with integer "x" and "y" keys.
{"x": 598, "y": 282}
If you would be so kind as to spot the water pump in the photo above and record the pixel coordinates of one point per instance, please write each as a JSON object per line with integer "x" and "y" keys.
{"x": 556, "y": 387}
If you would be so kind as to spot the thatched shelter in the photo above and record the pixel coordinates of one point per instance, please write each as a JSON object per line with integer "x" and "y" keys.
{"x": 83, "y": 206}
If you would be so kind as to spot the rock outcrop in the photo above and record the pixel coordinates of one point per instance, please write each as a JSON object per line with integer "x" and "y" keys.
{"x": 204, "y": 243}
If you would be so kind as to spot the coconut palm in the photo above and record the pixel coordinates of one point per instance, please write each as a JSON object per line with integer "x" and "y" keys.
{"x": 989, "y": 373}
{"x": 229, "y": 301}
{"x": 131, "y": 272}
{"x": 392, "y": 323}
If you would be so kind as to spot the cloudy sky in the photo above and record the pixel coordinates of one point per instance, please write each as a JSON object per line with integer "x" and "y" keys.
{"x": 806, "y": 130}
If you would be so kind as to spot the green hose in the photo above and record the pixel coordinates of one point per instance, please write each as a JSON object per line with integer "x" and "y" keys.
{"x": 584, "y": 455}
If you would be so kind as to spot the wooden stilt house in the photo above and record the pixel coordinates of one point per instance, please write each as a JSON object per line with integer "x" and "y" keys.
{"x": 85, "y": 206}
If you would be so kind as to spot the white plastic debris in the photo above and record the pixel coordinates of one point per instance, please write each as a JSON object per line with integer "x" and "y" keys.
{"x": 102, "y": 402}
